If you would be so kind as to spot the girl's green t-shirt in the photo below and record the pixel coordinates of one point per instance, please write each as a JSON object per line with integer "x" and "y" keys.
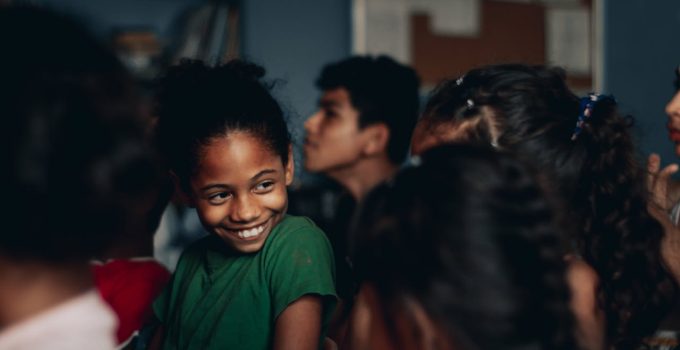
{"x": 221, "y": 299}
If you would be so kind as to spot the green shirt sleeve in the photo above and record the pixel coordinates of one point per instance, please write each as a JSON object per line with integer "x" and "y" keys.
{"x": 165, "y": 301}
{"x": 301, "y": 262}
{"x": 161, "y": 303}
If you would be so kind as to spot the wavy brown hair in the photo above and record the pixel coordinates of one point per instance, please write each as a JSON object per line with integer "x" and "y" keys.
{"x": 532, "y": 112}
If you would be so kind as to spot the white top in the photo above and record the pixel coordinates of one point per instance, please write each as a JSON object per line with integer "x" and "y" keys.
{"x": 84, "y": 322}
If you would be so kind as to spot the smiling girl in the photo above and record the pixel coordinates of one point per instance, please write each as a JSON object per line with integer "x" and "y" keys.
{"x": 261, "y": 279}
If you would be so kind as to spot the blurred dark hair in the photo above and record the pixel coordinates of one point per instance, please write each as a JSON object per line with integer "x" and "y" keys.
{"x": 383, "y": 91}
{"x": 533, "y": 113}
{"x": 72, "y": 139}
{"x": 469, "y": 236}
{"x": 197, "y": 103}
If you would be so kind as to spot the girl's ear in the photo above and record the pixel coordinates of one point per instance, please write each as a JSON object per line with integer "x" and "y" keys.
{"x": 377, "y": 137}
{"x": 290, "y": 166}
{"x": 180, "y": 194}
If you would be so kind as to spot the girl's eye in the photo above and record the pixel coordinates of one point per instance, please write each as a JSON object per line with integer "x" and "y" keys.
{"x": 219, "y": 198}
{"x": 264, "y": 187}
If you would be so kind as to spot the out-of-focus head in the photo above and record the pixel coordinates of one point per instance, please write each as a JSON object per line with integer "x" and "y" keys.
{"x": 673, "y": 112}
{"x": 364, "y": 100}
{"x": 528, "y": 110}
{"x": 586, "y": 155}
{"x": 500, "y": 105}
{"x": 460, "y": 250}
{"x": 73, "y": 153}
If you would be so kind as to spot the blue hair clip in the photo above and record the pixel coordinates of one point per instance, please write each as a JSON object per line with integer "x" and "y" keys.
{"x": 415, "y": 161}
{"x": 585, "y": 110}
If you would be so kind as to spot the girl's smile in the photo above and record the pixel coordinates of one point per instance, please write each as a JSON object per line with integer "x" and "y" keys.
{"x": 248, "y": 234}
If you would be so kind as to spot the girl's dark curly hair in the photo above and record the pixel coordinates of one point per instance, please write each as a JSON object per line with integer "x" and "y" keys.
{"x": 470, "y": 237}
{"x": 197, "y": 102}
{"x": 531, "y": 111}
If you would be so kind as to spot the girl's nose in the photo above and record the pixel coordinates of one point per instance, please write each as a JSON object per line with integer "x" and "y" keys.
{"x": 673, "y": 106}
{"x": 244, "y": 210}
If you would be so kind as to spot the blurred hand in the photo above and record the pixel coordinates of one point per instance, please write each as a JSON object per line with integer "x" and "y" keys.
{"x": 661, "y": 202}
{"x": 670, "y": 246}
{"x": 664, "y": 192}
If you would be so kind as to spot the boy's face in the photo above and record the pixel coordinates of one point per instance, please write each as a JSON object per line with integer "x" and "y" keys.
{"x": 334, "y": 140}
{"x": 239, "y": 190}
{"x": 673, "y": 112}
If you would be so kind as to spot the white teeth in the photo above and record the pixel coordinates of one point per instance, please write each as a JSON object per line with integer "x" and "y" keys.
{"x": 251, "y": 232}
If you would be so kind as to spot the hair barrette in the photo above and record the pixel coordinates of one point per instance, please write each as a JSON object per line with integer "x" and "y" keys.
{"x": 586, "y": 106}
{"x": 415, "y": 161}
{"x": 470, "y": 103}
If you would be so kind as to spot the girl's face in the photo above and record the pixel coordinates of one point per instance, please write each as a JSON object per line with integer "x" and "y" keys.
{"x": 239, "y": 190}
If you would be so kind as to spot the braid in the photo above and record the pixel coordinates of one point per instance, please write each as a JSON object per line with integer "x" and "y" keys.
{"x": 470, "y": 236}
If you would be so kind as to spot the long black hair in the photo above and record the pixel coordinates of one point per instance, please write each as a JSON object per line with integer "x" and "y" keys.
{"x": 470, "y": 237}
{"x": 530, "y": 110}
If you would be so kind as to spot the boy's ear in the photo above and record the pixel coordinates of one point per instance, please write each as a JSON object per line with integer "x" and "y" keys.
{"x": 180, "y": 195}
{"x": 290, "y": 166}
{"x": 377, "y": 136}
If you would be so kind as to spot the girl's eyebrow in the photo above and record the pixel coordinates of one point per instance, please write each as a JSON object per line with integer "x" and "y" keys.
{"x": 211, "y": 186}
{"x": 263, "y": 173}
{"x": 253, "y": 179}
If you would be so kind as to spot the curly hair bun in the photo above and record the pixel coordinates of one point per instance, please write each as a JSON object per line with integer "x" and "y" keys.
{"x": 197, "y": 102}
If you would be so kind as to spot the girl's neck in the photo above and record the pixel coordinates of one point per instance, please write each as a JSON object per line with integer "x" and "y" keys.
{"x": 29, "y": 288}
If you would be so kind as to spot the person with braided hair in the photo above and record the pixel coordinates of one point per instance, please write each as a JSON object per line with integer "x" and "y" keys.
{"x": 460, "y": 251}
{"x": 585, "y": 152}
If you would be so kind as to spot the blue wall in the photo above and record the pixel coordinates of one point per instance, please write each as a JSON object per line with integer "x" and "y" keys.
{"x": 641, "y": 50}
{"x": 294, "y": 40}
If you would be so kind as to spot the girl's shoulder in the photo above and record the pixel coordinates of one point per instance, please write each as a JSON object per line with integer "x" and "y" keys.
{"x": 294, "y": 223}
{"x": 298, "y": 230}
